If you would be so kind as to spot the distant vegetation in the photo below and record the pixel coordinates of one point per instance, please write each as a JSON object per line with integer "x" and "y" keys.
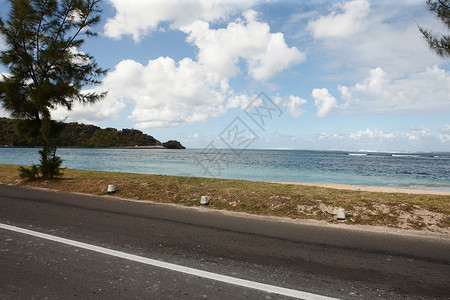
{"x": 84, "y": 136}
{"x": 173, "y": 145}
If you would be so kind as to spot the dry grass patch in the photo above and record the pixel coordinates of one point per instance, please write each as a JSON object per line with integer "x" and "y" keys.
{"x": 409, "y": 211}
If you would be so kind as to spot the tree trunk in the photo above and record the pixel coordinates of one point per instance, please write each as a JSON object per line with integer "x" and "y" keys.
{"x": 44, "y": 159}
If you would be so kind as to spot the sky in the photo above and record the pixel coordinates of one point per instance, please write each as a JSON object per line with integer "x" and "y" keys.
{"x": 325, "y": 75}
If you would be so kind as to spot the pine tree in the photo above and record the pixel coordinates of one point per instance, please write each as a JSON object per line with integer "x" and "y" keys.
{"x": 439, "y": 44}
{"x": 46, "y": 68}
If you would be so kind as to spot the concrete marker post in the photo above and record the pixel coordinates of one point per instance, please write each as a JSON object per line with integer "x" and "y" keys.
{"x": 111, "y": 189}
{"x": 341, "y": 214}
{"x": 204, "y": 200}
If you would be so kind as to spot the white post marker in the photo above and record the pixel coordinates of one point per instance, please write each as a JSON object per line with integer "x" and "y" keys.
{"x": 173, "y": 267}
{"x": 341, "y": 214}
{"x": 204, "y": 200}
{"x": 111, "y": 189}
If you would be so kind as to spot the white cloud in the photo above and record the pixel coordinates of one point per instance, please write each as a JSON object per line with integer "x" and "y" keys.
{"x": 169, "y": 93}
{"x": 220, "y": 50}
{"x": 106, "y": 109}
{"x": 371, "y": 134}
{"x": 324, "y": 102}
{"x": 422, "y": 92}
{"x": 79, "y": 59}
{"x": 242, "y": 101}
{"x": 293, "y": 105}
{"x": 412, "y": 139}
{"x": 166, "y": 93}
{"x": 140, "y": 17}
{"x": 343, "y": 21}
{"x": 357, "y": 36}
{"x": 444, "y": 133}
{"x": 416, "y": 134}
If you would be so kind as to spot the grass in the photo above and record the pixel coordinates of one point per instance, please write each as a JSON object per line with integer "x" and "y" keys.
{"x": 284, "y": 200}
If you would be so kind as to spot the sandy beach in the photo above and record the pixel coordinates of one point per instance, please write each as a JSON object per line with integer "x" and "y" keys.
{"x": 423, "y": 210}
{"x": 370, "y": 188}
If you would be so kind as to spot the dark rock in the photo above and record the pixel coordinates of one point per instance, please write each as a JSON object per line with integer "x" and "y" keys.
{"x": 173, "y": 145}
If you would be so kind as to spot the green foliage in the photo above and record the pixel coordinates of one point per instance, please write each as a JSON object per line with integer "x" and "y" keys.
{"x": 8, "y": 135}
{"x": 31, "y": 174}
{"x": 49, "y": 168}
{"x": 440, "y": 44}
{"x": 76, "y": 135}
{"x": 46, "y": 69}
{"x": 173, "y": 145}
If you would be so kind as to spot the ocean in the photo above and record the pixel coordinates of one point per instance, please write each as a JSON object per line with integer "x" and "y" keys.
{"x": 386, "y": 169}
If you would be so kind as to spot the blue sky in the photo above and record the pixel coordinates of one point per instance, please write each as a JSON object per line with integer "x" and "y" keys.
{"x": 347, "y": 75}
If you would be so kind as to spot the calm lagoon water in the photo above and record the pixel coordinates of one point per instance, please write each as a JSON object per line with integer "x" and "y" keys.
{"x": 408, "y": 170}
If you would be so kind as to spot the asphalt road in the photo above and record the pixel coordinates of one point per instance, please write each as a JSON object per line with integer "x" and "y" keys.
{"x": 333, "y": 262}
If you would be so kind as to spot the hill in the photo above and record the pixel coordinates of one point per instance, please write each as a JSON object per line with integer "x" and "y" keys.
{"x": 85, "y": 136}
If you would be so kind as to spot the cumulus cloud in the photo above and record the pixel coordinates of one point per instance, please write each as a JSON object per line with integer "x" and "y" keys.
{"x": 220, "y": 50}
{"x": 294, "y": 104}
{"x": 402, "y": 140}
{"x": 381, "y": 33}
{"x": 107, "y": 109}
{"x": 173, "y": 93}
{"x": 422, "y": 92}
{"x": 413, "y": 134}
{"x": 165, "y": 92}
{"x": 138, "y": 18}
{"x": 344, "y": 20}
{"x": 324, "y": 102}
{"x": 242, "y": 101}
{"x": 370, "y": 134}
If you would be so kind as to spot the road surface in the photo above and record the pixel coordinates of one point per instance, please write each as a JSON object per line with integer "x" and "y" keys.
{"x": 222, "y": 250}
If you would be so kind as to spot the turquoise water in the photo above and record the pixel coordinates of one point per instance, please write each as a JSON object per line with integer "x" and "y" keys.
{"x": 409, "y": 170}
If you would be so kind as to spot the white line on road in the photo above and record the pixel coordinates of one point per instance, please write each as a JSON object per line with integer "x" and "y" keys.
{"x": 156, "y": 263}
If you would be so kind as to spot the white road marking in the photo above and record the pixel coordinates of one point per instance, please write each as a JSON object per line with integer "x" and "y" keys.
{"x": 173, "y": 267}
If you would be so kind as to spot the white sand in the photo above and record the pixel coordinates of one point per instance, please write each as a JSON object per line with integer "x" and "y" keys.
{"x": 370, "y": 188}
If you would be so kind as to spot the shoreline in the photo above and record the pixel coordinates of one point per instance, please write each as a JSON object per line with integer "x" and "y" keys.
{"x": 338, "y": 186}
{"x": 422, "y": 210}
{"x": 367, "y": 188}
